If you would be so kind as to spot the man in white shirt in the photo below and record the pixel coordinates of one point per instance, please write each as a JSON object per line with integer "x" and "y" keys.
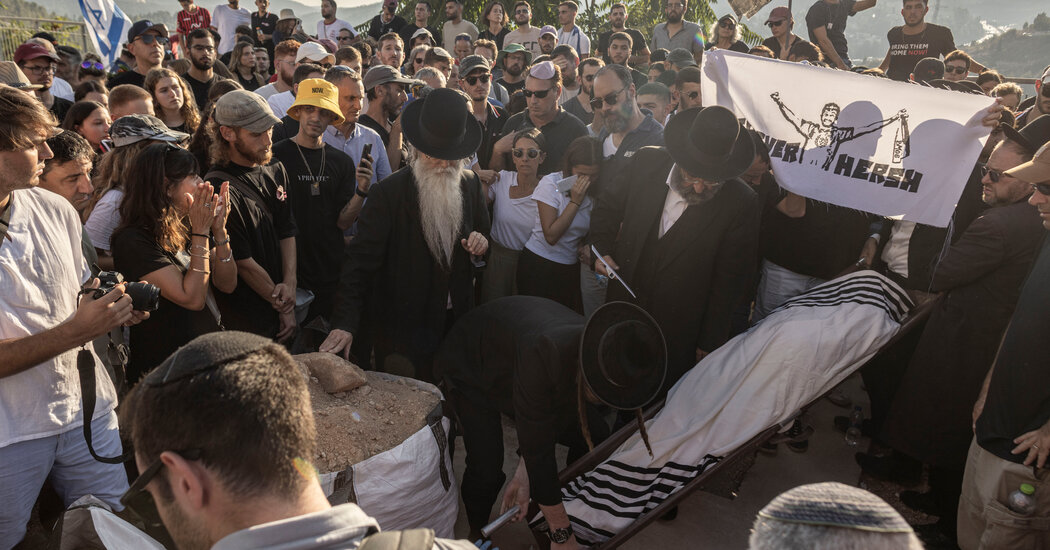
{"x": 569, "y": 33}
{"x": 225, "y": 20}
{"x": 329, "y": 26}
{"x": 456, "y": 25}
{"x": 42, "y": 268}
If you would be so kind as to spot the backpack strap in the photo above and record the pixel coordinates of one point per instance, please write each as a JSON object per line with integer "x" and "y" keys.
{"x": 411, "y": 539}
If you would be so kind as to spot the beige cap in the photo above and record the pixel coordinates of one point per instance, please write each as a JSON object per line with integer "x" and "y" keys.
{"x": 11, "y": 75}
{"x": 1036, "y": 170}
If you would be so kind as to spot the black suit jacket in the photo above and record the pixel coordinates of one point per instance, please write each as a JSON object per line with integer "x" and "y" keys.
{"x": 690, "y": 279}
{"x": 390, "y": 260}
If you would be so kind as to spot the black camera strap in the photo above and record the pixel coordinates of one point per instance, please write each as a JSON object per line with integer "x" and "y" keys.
{"x": 86, "y": 370}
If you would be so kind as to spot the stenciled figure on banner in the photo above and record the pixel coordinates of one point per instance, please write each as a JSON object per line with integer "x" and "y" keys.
{"x": 827, "y": 135}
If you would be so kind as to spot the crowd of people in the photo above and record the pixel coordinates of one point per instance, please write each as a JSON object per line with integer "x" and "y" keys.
{"x": 465, "y": 205}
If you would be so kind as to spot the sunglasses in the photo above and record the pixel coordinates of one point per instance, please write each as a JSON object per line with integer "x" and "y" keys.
{"x": 539, "y": 94}
{"x": 772, "y": 24}
{"x": 610, "y": 98}
{"x": 955, "y": 69}
{"x": 149, "y": 39}
{"x": 531, "y": 152}
{"x": 92, "y": 65}
{"x": 147, "y": 475}
{"x": 1042, "y": 188}
{"x": 472, "y": 80}
{"x": 1044, "y": 90}
{"x": 993, "y": 174}
{"x": 693, "y": 95}
{"x": 727, "y": 24}
{"x": 418, "y": 60}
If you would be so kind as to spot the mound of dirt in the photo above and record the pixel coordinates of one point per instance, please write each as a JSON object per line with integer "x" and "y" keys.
{"x": 353, "y": 426}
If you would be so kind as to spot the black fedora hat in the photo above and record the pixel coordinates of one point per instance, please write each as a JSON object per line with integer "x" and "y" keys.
{"x": 440, "y": 126}
{"x": 1032, "y": 136}
{"x": 709, "y": 143}
{"x": 623, "y": 356}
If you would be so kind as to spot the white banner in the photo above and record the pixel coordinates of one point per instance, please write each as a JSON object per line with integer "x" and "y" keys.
{"x": 873, "y": 144}
{"x": 107, "y": 26}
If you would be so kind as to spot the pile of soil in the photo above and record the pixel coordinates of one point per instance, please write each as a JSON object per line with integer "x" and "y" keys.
{"x": 353, "y": 426}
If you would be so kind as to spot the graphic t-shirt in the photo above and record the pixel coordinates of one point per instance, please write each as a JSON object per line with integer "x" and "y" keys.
{"x": 908, "y": 49}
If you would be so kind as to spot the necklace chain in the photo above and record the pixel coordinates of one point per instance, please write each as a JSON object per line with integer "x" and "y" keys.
{"x": 320, "y": 174}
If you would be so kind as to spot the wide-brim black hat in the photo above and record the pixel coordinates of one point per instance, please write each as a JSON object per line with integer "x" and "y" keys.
{"x": 440, "y": 126}
{"x": 623, "y": 356}
{"x": 709, "y": 143}
{"x": 1032, "y": 136}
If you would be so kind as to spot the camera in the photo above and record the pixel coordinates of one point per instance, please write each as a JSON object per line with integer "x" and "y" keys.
{"x": 144, "y": 296}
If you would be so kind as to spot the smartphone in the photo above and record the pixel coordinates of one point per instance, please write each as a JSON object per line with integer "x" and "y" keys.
{"x": 366, "y": 150}
{"x": 565, "y": 185}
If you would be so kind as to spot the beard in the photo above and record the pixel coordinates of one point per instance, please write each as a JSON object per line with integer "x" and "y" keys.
{"x": 514, "y": 70}
{"x": 674, "y": 19}
{"x": 202, "y": 64}
{"x": 690, "y": 195}
{"x": 440, "y": 209}
{"x": 258, "y": 157}
{"x": 616, "y": 121}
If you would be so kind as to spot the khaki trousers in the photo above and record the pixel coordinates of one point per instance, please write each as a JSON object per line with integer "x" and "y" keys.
{"x": 985, "y": 522}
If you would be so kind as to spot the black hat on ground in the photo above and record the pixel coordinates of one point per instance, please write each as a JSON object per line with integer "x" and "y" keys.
{"x": 623, "y": 356}
{"x": 709, "y": 143}
{"x": 440, "y": 126}
{"x": 1032, "y": 136}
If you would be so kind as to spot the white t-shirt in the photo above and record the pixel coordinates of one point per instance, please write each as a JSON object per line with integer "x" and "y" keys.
{"x": 61, "y": 88}
{"x": 266, "y": 91}
{"x": 104, "y": 219}
{"x": 280, "y": 103}
{"x": 512, "y": 219}
{"x": 331, "y": 32}
{"x": 564, "y": 252}
{"x": 42, "y": 267}
{"x": 575, "y": 38}
{"x": 226, "y": 20}
{"x": 529, "y": 39}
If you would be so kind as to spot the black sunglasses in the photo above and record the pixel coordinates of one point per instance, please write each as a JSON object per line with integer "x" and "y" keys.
{"x": 772, "y": 24}
{"x": 540, "y": 94}
{"x": 727, "y": 24}
{"x": 92, "y": 65}
{"x": 472, "y": 80}
{"x": 148, "y": 39}
{"x": 1042, "y": 188}
{"x": 531, "y": 152}
{"x": 693, "y": 95}
{"x": 589, "y": 78}
{"x": 954, "y": 69}
{"x": 610, "y": 98}
{"x": 147, "y": 475}
{"x": 993, "y": 174}
{"x": 1044, "y": 90}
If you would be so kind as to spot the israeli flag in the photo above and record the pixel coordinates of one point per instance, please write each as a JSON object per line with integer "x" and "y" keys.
{"x": 108, "y": 27}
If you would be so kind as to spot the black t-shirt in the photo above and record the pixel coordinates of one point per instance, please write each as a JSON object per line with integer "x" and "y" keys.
{"x": 200, "y": 89}
{"x": 135, "y": 255}
{"x": 378, "y": 28}
{"x": 638, "y": 43}
{"x": 127, "y": 77}
{"x": 738, "y": 46}
{"x": 252, "y": 84}
{"x": 575, "y": 108}
{"x": 408, "y": 30}
{"x": 822, "y": 243}
{"x": 908, "y": 49}
{"x": 59, "y": 107}
{"x": 317, "y": 196}
{"x": 774, "y": 44}
{"x": 260, "y": 217}
{"x": 497, "y": 38}
{"x": 833, "y": 18}
{"x": 512, "y": 86}
{"x": 491, "y": 132}
{"x": 1018, "y": 394}
{"x": 266, "y": 24}
{"x": 384, "y": 135}
{"x": 559, "y": 133}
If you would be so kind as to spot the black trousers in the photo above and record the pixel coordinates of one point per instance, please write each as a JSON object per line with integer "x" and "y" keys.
{"x": 538, "y": 276}
{"x": 483, "y": 442}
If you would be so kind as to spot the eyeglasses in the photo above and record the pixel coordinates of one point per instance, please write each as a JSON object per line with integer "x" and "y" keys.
{"x": 92, "y": 65}
{"x": 210, "y": 49}
{"x": 675, "y": 5}
{"x": 955, "y": 69}
{"x": 39, "y": 69}
{"x": 689, "y": 179}
{"x": 531, "y": 152}
{"x": 539, "y": 94}
{"x": 772, "y": 24}
{"x": 325, "y": 66}
{"x": 149, "y": 39}
{"x": 1042, "y": 188}
{"x": 993, "y": 174}
{"x": 472, "y": 80}
{"x": 727, "y": 24}
{"x": 692, "y": 95}
{"x": 610, "y": 98}
{"x": 151, "y": 472}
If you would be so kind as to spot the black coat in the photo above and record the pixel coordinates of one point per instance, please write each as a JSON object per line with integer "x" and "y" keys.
{"x": 389, "y": 262}
{"x": 931, "y": 415}
{"x": 691, "y": 279}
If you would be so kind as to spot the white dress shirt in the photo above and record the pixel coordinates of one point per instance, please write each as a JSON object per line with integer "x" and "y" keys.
{"x": 674, "y": 204}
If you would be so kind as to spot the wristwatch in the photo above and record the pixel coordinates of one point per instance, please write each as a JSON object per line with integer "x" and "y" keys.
{"x": 560, "y": 536}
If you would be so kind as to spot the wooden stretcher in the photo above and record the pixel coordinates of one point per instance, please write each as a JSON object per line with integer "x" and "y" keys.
{"x": 741, "y": 456}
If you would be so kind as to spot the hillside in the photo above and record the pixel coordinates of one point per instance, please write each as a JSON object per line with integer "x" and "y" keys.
{"x": 1018, "y": 52}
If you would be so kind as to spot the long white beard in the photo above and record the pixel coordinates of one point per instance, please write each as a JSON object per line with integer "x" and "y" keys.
{"x": 440, "y": 209}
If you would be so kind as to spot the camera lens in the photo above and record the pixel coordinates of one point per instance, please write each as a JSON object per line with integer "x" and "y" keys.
{"x": 144, "y": 296}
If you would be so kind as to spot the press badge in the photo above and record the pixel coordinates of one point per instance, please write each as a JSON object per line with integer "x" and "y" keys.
{"x": 315, "y": 189}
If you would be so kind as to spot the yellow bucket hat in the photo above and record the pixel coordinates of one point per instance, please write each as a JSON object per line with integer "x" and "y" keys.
{"x": 319, "y": 93}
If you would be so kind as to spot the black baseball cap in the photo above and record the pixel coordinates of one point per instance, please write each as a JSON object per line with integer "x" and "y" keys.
{"x": 143, "y": 25}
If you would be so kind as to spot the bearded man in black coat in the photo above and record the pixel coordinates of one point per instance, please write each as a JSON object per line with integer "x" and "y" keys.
{"x": 417, "y": 233}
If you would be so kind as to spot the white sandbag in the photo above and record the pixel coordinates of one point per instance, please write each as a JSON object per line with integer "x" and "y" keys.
{"x": 89, "y": 524}
{"x": 409, "y": 486}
